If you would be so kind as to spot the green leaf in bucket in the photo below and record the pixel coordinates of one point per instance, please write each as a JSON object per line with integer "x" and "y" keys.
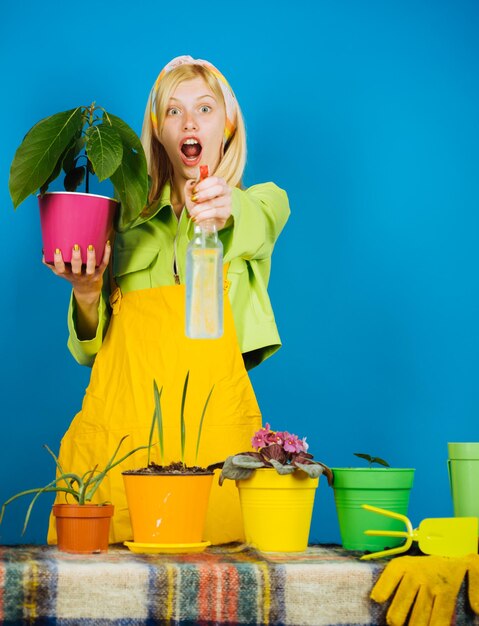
{"x": 372, "y": 459}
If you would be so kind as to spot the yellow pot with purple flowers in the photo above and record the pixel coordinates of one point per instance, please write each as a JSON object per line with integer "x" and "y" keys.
{"x": 277, "y": 483}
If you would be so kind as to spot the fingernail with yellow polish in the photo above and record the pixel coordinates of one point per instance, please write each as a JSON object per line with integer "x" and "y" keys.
{"x": 194, "y": 198}
{"x": 90, "y": 248}
{"x": 57, "y": 250}
{"x": 108, "y": 243}
{"x": 76, "y": 247}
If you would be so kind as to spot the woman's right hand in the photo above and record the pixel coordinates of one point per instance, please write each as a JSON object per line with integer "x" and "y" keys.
{"x": 86, "y": 281}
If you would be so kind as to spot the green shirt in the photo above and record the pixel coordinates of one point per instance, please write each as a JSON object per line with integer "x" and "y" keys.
{"x": 147, "y": 251}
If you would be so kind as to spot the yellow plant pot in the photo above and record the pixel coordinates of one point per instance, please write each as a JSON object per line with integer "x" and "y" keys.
{"x": 168, "y": 508}
{"x": 277, "y": 509}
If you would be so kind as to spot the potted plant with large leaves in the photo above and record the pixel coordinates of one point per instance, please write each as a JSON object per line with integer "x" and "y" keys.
{"x": 82, "y": 527}
{"x": 378, "y": 485}
{"x": 168, "y": 503}
{"x": 277, "y": 484}
{"x": 82, "y": 142}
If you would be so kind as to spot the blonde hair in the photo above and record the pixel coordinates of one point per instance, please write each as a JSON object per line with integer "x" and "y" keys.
{"x": 160, "y": 169}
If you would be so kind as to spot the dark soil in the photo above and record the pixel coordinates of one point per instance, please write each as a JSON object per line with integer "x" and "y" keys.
{"x": 173, "y": 468}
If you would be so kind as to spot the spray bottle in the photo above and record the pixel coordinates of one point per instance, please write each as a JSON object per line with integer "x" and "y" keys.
{"x": 204, "y": 280}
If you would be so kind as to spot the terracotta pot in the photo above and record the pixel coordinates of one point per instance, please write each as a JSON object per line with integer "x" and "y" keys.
{"x": 69, "y": 218}
{"x": 83, "y": 528}
{"x": 168, "y": 508}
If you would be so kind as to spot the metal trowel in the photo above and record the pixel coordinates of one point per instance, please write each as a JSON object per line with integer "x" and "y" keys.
{"x": 441, "y": 536}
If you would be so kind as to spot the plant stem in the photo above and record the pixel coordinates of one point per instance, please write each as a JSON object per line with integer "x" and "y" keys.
{"x": 91, "y": 110}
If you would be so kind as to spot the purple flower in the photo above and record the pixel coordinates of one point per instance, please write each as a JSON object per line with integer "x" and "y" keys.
{"x": 275, "y": 437}
{"x": 260, "y": 438}
{"x": 292, "y": 443}
{"x": 277, "y": 450}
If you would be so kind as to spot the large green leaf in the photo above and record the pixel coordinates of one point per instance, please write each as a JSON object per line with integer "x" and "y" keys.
{"x": 105, "y": 149}
{"x": 76, "y": 146}
{"x": 313, "y": 470}
{"x": 244, "y": 460}
{"x": 74, "y": 178}
{"x": 130, "y": 180}
{"x": 57, "y": 169}
{"x": 39, "y": 152}
{"x": 233, "y": 472}
{"x": 281, "y": 468}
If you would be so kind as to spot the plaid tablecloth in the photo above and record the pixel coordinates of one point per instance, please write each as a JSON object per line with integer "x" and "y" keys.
{"x": 223, "y": 585}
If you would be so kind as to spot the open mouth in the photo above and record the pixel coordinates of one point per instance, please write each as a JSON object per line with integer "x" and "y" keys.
{"x": 191, "y": 148}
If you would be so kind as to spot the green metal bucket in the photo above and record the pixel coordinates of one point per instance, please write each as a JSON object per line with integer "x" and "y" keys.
{"x": 386, "y": 488}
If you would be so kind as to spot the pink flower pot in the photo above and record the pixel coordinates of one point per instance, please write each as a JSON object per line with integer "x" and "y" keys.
{"x": 69, "y": 218}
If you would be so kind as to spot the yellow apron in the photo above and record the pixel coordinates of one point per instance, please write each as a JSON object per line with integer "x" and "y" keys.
{"x": 145, "y": 341}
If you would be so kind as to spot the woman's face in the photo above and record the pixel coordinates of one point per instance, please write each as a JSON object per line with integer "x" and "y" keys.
{"x": 193, "y": 128}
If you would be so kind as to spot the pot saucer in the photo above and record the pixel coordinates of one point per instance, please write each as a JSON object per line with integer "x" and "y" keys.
{"x": 166, "y": 548}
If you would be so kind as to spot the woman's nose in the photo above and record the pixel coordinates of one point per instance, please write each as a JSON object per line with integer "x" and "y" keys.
{"x": 190, "y": 122}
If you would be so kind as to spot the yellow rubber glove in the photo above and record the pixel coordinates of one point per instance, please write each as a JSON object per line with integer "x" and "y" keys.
{"x": 427, "y": 584}
{"x": 473, "y": 581}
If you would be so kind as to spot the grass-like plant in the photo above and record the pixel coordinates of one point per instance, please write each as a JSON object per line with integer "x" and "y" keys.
{"x": 81, "y": 488}
{"x": 157, "y": 422}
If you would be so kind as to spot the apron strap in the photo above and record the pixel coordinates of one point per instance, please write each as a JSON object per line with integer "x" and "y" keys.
{"x": 115, "y": 291}
{"x": 226, "y": 282}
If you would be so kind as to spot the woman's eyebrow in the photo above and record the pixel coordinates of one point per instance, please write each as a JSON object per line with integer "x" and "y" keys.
{"x": 206, "y": 95}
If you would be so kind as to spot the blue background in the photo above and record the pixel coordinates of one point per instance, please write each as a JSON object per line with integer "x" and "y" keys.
{"x": 367, "y": 113}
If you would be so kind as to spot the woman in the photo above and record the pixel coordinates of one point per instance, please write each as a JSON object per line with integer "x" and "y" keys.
{"x": 131, "y": 327}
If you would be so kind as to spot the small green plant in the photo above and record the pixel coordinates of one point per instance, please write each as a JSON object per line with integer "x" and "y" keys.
{"x": 283, "y": 451}
{"x": 80, "y": 488}
{"x": 82, "y": 141}
{"x": 157, "y": 422}
{"x": 372, "y": 459}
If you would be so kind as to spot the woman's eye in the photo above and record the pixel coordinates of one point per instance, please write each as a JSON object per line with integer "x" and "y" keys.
{"x": 173, "y": 111}
{"x": 205, "y": 108}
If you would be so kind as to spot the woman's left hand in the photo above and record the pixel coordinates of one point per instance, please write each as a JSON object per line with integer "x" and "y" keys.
{"x": 208, "y": 199}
